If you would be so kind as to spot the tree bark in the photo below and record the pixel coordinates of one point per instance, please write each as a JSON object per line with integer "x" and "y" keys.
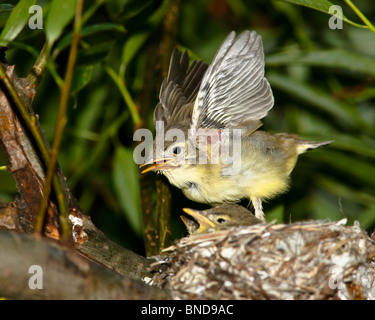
{"x": 63, "y": 273}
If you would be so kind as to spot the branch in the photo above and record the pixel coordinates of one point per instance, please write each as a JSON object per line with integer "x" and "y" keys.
{"x": 38, "y": 70}
{"x": 23, "y": 159}
{"x": 65, "y": 273}
{"x": 92, "y": 243}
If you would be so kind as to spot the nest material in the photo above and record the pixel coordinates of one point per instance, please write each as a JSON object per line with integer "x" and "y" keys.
{"x": 309, "y": 260}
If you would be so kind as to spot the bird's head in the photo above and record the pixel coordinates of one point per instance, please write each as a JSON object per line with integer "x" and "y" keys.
{"x": 218, "y": 218}
{"x": 174, "y": 148}
{"x": 167, "y": 156}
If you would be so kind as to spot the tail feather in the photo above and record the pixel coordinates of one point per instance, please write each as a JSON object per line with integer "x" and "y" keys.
{"x": 303, "y": 146}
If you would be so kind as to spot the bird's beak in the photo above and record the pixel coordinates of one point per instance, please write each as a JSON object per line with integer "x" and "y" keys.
{"x": 156, "y": 165}
{"x": 191, "y": 225}
{"x": 204, "y": 222}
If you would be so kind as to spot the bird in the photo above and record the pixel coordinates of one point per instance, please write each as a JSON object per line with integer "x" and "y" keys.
{"x": 218, "y": 218}
{"x": 225, "y": 101}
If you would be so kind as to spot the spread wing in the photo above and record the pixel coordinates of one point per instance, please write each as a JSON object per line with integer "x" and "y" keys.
{"x": 234, "y": 91}
{"x": 179, "y": 89}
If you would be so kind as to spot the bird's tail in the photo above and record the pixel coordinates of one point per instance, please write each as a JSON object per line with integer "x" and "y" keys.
{"x": 303, "y": 145}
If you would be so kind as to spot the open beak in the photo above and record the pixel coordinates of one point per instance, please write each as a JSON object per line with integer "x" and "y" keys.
{"x": 191, "y": 225}
{"x": 204, "y": 222}
{"x": 156, "y": 165}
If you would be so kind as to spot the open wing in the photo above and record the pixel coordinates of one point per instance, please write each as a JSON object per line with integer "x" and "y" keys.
{"x": 234, "y": 91}
{"x": 179, "y": 89}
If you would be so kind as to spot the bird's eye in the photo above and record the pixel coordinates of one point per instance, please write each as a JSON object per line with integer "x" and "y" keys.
{"x": 221, "y": 220}
{"x": 176, "y": 150}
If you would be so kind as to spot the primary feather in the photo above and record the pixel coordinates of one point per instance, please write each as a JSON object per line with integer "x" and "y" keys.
{"x": 234, "y": 91}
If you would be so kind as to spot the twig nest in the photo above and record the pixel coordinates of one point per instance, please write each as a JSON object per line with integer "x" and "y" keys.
{"x": 308, "y": 260}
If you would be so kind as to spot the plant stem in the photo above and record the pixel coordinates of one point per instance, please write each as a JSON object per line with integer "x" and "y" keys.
{"x": 126, "y": 96}
{"x": 39, "y": 68}
{"x": 60, "y": 125}
{"x": 360, "y": 15}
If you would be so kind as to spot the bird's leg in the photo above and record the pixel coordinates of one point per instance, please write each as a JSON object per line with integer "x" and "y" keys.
{"x": 257, "y": 204}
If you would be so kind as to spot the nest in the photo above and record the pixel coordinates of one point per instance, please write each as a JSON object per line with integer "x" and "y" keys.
{"x": 309, "y": 260}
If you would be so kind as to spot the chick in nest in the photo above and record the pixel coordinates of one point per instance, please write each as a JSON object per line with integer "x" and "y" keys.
{"x": 218, "y": 218}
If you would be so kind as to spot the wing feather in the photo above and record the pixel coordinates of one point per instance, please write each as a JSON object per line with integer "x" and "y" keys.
{"x": 234, "y": 91}
{"x": 179, "y": 89}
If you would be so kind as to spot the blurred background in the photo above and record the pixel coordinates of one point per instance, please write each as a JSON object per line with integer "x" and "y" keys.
{"x": 323, "y": 81}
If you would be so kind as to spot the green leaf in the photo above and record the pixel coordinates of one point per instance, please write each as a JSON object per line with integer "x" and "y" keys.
{"x": 87, "y": 31}
{"x": 87, "y": 123}
{"x": 132, "y": 45}
{"x": 334, "y": 58}
{"x": 82, "y": 76}
{"x": 5, "y": 7}
{"x": 60, "y": 14}
{"x": 352, "y": 167}
{"x": 132, "y": 8}
{"x": 364, "y": 146}
{"x": 94, "y": 54}
{"x": 23, "y": 46}
{"x": 336, "y": 187}
{"x": 367, "y": 219}
{"x": 313, "y": 96}
{"x": 126, "y": 182}
{"x": 321, "y": 208}
{"x": 16, "y": 21}
{"x": 322, "y": 6}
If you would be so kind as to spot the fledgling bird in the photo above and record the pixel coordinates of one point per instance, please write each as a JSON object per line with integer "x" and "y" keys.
{"x": 218, "y": 218}
{"x": 231, "y": 93}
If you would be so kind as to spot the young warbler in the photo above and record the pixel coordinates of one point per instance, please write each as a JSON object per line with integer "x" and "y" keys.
{"x": 222, "y": 157}
{"x": 218, "y": 218}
